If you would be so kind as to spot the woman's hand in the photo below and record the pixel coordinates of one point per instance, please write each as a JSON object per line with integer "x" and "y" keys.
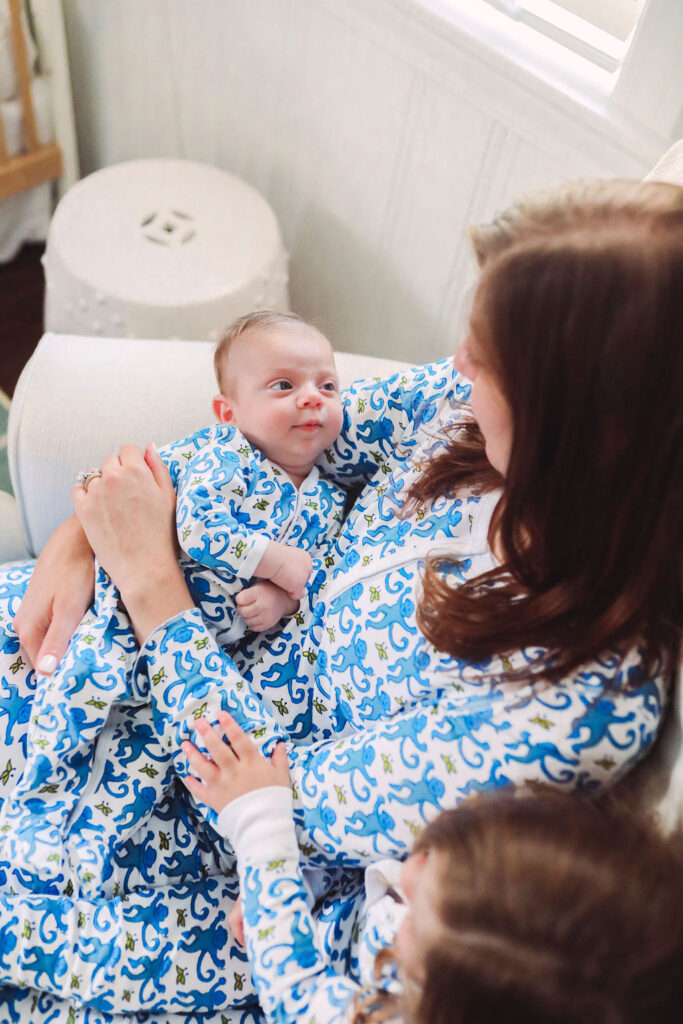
{"x": 128, "y": 515}
{"x": 58, "y": 596}
{"x": 233, "y": 770}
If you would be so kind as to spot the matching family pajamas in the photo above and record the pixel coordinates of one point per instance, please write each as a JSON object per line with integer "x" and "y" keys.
{"x": 231, "y": 503}
{"x": 383, "y": 732}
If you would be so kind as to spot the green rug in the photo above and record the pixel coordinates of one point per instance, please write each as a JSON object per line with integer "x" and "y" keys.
{"x": 5, "y": 483}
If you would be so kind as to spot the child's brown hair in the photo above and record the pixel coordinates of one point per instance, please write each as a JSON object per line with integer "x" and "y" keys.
{"x": 551, "y": 910}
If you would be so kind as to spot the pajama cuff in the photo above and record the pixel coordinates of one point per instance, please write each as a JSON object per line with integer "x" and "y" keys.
{"x": 155, "y": 640}
{"x": 246, "y": 567}
{"x": 260, "y": 825}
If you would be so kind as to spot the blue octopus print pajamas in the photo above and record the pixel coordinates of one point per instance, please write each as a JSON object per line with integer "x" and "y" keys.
{"x": 231, "y": 502}
{"x": 383, "y": 732}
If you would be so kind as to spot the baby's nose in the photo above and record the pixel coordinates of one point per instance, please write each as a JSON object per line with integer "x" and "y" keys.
{"x": 309, "y": 395}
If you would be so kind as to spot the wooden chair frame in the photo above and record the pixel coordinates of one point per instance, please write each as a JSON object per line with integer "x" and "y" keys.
{"x": 39, "y": 163}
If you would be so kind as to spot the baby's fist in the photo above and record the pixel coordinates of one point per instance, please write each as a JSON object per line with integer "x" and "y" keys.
{"x": 293, "y": 572}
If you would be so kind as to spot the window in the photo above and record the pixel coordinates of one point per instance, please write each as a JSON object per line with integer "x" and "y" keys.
{"x": 620, "y": 58}
{"x": 600, "y": 30}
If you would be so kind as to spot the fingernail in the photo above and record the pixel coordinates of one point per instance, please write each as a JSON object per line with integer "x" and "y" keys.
{"x": 47, "y": 664}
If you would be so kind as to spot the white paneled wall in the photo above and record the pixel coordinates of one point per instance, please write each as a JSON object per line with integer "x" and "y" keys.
{"x": 376, "y": 133}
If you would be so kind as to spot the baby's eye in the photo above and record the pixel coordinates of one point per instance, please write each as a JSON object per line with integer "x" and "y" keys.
{"x": 281, "y": 385}
{"x": 329, "y": 385}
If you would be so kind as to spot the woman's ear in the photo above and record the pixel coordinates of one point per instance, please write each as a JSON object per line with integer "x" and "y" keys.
{"x": 222, "y": 408}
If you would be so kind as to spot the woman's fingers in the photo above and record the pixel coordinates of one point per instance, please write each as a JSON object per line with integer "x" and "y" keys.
{"x": 159, "y": 469}
{"x": 130, "y": 455}
{"x": 110, "y": 464}
{"x": 57, "y": 597}
{"x": 66, "y": 615}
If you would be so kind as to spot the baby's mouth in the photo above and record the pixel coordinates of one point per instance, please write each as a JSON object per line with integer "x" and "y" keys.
{"x": 310, "y": 427}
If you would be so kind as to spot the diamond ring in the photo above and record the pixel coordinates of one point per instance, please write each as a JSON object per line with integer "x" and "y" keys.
{"x": 86, "y": 475}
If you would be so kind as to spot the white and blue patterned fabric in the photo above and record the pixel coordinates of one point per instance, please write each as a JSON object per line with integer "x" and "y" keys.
{"x": 231, "y": 502}
{"x": 383, "y": 732}
{"x": 295, "y": 978}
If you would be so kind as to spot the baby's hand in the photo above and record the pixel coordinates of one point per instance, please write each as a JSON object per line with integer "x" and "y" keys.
{"x": 263, "y": 605}
{"x": 233, "y": 770}
{"x": 289, "y": 568}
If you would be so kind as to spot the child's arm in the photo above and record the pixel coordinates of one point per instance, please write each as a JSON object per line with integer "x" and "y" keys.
{"x": 291, "y": 972}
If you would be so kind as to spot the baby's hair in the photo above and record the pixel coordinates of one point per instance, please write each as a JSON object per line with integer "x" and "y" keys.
{"x": 259, "y": 320}
{"x": 551, "y": 910}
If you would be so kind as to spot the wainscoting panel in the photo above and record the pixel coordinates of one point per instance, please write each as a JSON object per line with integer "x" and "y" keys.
{"x": 376, "y": 132}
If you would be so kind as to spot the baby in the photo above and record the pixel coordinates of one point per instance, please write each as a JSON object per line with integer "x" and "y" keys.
{"x": 252, "y": 509}
{"x": 251, "y": 501}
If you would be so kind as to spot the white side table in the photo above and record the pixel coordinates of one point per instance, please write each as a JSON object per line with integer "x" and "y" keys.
{"x": 161, "y": 249}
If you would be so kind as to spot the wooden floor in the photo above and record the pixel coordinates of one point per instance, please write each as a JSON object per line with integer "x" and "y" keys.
{"x": 21, "y": 313}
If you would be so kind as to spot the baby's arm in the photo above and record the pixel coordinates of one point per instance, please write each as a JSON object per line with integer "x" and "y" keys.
{"x": 293, "y": 976}
{"x": 285, "y": 571}
{"x": 287, "y": 567}
{"x": 211, "y": 525}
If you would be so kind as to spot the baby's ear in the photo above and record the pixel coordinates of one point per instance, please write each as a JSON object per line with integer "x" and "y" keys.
{"x": 222, "y": 408}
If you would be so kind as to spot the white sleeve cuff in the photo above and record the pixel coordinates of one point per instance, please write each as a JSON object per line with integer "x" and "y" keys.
{"x": 258, "y": 543}
{"x": 260, "y": 825}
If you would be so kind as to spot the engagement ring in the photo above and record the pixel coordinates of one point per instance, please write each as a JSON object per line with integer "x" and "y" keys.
{"x": 86, "y": 475}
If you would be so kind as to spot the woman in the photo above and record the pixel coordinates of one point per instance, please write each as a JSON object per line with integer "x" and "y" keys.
{"x": 538, "y": 651}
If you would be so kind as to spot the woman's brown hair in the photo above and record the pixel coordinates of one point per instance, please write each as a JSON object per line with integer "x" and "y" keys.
{"x": 550, "y": 910}
{"x": 581, "y": 302}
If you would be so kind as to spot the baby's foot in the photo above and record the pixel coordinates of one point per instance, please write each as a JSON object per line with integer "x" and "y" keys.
{"x": 263, "y": 605}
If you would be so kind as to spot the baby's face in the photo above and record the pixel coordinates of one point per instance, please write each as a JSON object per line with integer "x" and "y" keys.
{"x": 284, "y": 395}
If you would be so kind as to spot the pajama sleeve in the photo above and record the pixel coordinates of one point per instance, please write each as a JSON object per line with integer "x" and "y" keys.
{"x": 366, "y": 794}
{"x": 210, "y": 523}
{"x": 379, "y": 415}
{"x": 290, "y": 969}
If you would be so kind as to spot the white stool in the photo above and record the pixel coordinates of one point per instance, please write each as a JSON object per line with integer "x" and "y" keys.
{"x": 161, "y": 249}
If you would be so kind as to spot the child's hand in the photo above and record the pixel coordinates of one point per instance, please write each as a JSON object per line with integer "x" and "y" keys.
{"x": 263, "y": 605}
{"x": 233, "y": 770}
{"x": 289, "y": 568}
